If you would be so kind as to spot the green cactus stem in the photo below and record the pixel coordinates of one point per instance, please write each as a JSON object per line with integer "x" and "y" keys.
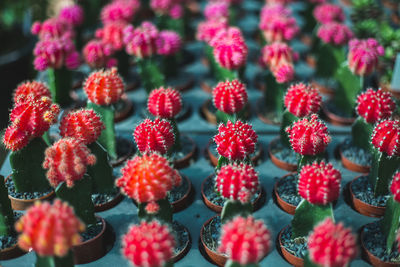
{"x": 231, "y": 263}
{"x": 308, "y": 16}
{"x": 233, "y": 208}
{"x": 150, "y": 74}
{"x": 165, "y": 22}
{"x": 164, "y": 214}
{"x": 54, "y": 261}
{"x": 208, "y": 50}
{"x": 80, "y": 198}
{"x": 101, "y": 172}
{"x": 221, "y": 162}
{"x": 390, "y": 223}
{"x": 6, "y": 212}
{"x": 361, "y": 132}
{"x": 307, "y": 216}
{"x": 222, "y": 74}
{"x": 308, "y": 262}
{"x": 329, "y": 58}
{"x": 287, "y": 120}
{"x": 382, "y": 169}
{"x": 107, "y": 137}
{"x": 60, "y": 84}
{"x": 123, "y": 63}
{"x": 177, "y": 145}
{"x": 26, "y": 165}
{"x": 308, "y": 159}
{"x": 170, "y": 64}
{"x": 91, "y": 10}
{"x": 274, "y": 93}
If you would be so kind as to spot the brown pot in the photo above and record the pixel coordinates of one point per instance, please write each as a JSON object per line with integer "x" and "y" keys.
{"x": 370, "y": 258}
{"x": 386, "y": 87}
{"x": 336, "y": 119}
{"x": 206, "y": 87}
{"x": 121, "y": 115}
{"x": 109, "y": 205}
{"x": 285, "y": 206}
{"x": 218, "y": 258}
{"x": 218, "y": 209}
{"x": 260, "y": 113}
{"x": 311, "y": 61}
{"x": 323, "y": 89}
{"x": 184, "y": 202}
{"x": 132, "y": 86}
{"x": 23, "y": 204}
{"x": 122, "y": 158}
{"x": 289, "y": 257}
{"x": 95, "y": 248}
{"x": 352, "y": 166}
{"x": 185, "y": 161}
{"x": 11, "y": 252}
{"x": 280, "y": 163}
{"x": 364, "y": 208}
{"x": 185, "y": 86}
{"x": 185, "y": 250}
{"x": 214, "y": 159}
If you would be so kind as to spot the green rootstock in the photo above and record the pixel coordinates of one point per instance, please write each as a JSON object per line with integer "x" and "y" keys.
{"x": 54, "y": 261}
{"x": 26, "y": 165}
{"x": 231, "y": 263}
{"x": 308, "y": 159}
{"x": 102, "y": 172}
{"x": 233, "y": 208}
{"x": 287, "y": 120}
{"x": 309, "y": 263}
{"x": 307, "y": 216}
{"x": 223, "y": 117}
{"x": 6, "y": 212}
{"x": 274, "y": 93}
{"x": 60, "y": 84}
{"x": 166, "y": 22}
{"x": 390, "y": 223}
{"x": 177, "y": 145}
{"x": 107, "y": 137}
{"x": 164, "y": 213}
{"x": 361, "y": 132}
{"x": 329, "y": 58}
{"x": 150, "y": 75}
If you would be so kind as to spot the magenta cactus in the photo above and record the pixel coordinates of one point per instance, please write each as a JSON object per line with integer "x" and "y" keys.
{"x": 326, "y": 13}
{"x": 168, "y": 43}
{"x": 97, "y": 54}
{"x": 335, "y": 33}
{"x": 72, "y": 14}
{"x": 141, "y": 41}
{"x": 207, "y": 30}
{"x": 363, "y": 56}
{"x": 113, "y": 34}
{"x": 119, "y": 11}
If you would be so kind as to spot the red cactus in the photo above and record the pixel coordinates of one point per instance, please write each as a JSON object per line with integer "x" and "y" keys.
{"x": 113, "y": 34}
{"x": 309, "y": 136}
{"x": 104, "y": 87}
{"x": 164, "y": 102}
{"x": 332, "y": 245}
{"x": 235, "y": 141}
{"x": 230, "y": 96}
{"x": 154, "y": 136}
{"x": 395, "y": 187}
{"x": 84, "y": 125}
{"x": 302, "y": 100}
{"x": 385, "y": 137}
{"x": 50, "y": 230}
{"x": 245, "y": 240}
{"x": 149, "y": 244}
{"x": 29, "y": 119}
{"x": 374, "y": 106}
{"x": 364, "y": 55}
{"x": 207, "y": 30}
{"x": 148, "y": 178}
{"x": 141, "y": 41}
{"x": 319, "y": 183}
{"x": 326, "y": 13}
{"x": 37, "y": 89}
{"x": 230, "y": 49}
{"x": 97, "y": 54}
{"x": 234, "y": 179}
{"x": 66, "y": 161}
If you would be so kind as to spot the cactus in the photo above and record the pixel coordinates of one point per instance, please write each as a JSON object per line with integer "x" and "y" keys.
{"x": 230, "y": 98}
{"x": 169, "y": 15}
{"x": 169, "y": 44}
{"x": 237, "y": 183}
{"x": 86, "y": 126}
{"x": 149, "y": 244}
{"x": 67, "y": 161}
{"x": 24, "y": 90}
{"x": 154, "y": 136}
{"x": 309, "y": 138}
{"x": 216, "y": 11}
{"x": 72, "y": 14}
{"x": 104, "y": 88}
{"x": 147, "y": 179}
{"x": 235, "y": 141}
{"x": 52, "y": 28}
{"x": 6, "y": 212}
{"x": 112, "y": 33}
{"x": 319, "y": 186}
{"x": 245, "y": 241}
{"x": 385, "y": 155}
{"x": 331, "y": 244}
{"x": 141, "y": 43}
{"x": 326, "y": 13}
{"x": 51, "y": 231}
{"x": 119, "y": 11}
{"x": 97, "y": 54}
{"x": 29, "y": 120}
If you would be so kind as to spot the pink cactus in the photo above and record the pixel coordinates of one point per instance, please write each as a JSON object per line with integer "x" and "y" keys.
{"x": 52, "y": 28}
{"x": 332, "y": 245}
{"x": 164, "y": 102}
{"x": 216, "y": 11}
{"x": 230, "y": 49}
{"x": 168, "y": 43}
{"x": 364, "y": 55}
{"x": 277, "y": 23}
{"x": 97, "y": 54}
{"x": 149, "y": 244}
{"x": 72, "y": 14}
{"x": 302, "y": 100}
{"x": 154, "y": 136}
{"x": 284, "y": 73}
{"x": 335, "y": 33}
{"x": 162, "y": 6}
{"x": 176, "y": 11}
{"x": 113, "y": 34}
{"x": 319, "y": 183}
{"x": 277, "y": 54}
{"x": 49, "y": 230}
{"x": 309, "y": 136}
{"x": 148, "y": 178}
{"x": 326, "y": 13}
{"x": 245, "y": 240}
{"x": 207, "y": 30}
{"x": 141, "y": 41}
{"x": 230, "y": 96}
{"x": 104, "y": 87}
{"x": 235, "y": 179}
{"x": 395, "y": 186}
{"x": 34, "y": 88}
{"x": 385, "y": 137}
{"x": 374, "y": 106}
{"x": 66, "y": 161}
{"x": 235, "y": 141}
{"x": 119, "y": 11}
{"x": 84, "y": 125}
